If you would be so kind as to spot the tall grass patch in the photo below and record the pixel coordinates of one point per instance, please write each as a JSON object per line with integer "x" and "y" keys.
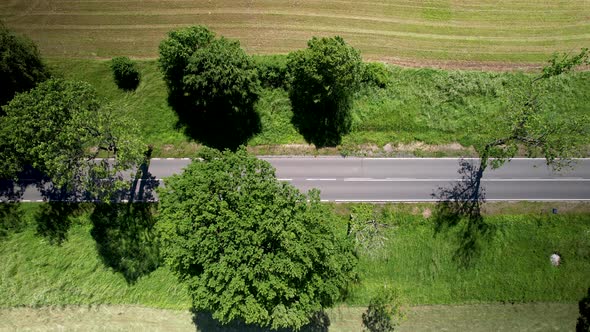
{"x": 398, "y": 106}
{"x": 513, "y": 265}
{"x": 35, "y": 273}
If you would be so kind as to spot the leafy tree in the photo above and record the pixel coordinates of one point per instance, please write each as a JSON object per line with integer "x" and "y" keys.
{"x": 213, "y": 86}
{"x": 383, "y": 312}
{"x": 249, "y": 247}
{"x": 21, "y": 66}
{"x": 324, "y": 79}
{"x": 532, "y": 125}
{"x": 59, "y": 127}
{"x": 175, "y": 52}
{"x": 125, "y": 73}
{"x": 529, "y": 124}
{"x": 272, "y": 71}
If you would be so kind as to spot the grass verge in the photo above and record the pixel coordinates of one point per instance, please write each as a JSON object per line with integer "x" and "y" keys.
{"x": 513, "y": 265}
{"x": 421, "y": 112}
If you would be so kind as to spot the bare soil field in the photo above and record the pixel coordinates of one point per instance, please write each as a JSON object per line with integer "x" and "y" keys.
{"x": 483, "y": 317}
{"x": 474, "y": 34}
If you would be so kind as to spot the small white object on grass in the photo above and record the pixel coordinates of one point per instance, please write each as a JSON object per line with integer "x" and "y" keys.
{"x": 555, "y": 259}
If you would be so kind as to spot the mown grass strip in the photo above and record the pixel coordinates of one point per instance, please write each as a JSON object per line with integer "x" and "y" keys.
{"x": 512, "y": 267}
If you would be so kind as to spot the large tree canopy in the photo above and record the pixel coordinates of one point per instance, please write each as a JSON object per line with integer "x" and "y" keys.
{"x": 21, "y": 67}
{"x": 177, "y": 49}
{"x": 59, "y": 127}
{"x": 248, "y": 246}
{"x": 324, "y": 79}
{"x": 213, "y": 86}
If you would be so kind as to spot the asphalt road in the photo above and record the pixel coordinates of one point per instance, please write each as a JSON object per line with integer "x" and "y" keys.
{"x": 408, "y": 179}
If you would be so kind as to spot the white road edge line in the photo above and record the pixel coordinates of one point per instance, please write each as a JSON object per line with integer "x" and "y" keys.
{"x": 436, "y": 200}
{"x": 463, "y": 180}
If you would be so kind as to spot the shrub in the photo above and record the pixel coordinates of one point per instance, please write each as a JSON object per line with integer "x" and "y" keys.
{"x": 324, "y": 78}
{"x": 125, "y": 72}
{"x": 272, "y": 72}
{"x": 21, "y": 65}
{"x": 383, "y": 312}
{"x": 377, "y": 74}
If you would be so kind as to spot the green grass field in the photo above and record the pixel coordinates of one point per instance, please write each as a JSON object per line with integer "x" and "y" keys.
{"x": 410, "y": 32}
{"x": 513, "y": 265}
{"x": 421, "y": 111}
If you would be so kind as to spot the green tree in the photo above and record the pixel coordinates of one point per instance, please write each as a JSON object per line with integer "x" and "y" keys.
{"x": 125, "y": 73}
{"x": 530, "y": 124}
{"x": 249, "y": 247}
{"x": 175, "y": 52}
{"x": 213, "y": 86}
{"x": 324, "y": 78}
{"x": 535, "y": 125}
{"x": 383, "y": 313}
{"x": 59, "y": 127}
{"x": 21, "y": 66}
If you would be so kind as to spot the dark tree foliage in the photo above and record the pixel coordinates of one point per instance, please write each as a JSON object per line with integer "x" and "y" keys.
{"x": 125, "y": 73}
{"x": 221, "y": 84}
{"x": 21, "y": 66}
{"x": 272, "y": 72}
{"x": 175, "y": 52}
{"x": 583, "y": 324}
{"x": 58, "y": 128}
{"x": 376, "y": 74}
{"x": 324, "y": 78}
{"x": 125, "y": 237}
{"x": 249, "y": 247}
{"x": 213, "y": 86}
{"x": 383, "y": 312}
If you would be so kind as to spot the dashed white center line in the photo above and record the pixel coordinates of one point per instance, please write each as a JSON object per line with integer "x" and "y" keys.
{"x": 320, "y": 179}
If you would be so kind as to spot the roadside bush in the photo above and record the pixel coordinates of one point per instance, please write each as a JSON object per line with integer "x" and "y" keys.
{"x": 383, "y": 312}
{"x": 324, "y": 78}
{"x": 272, "y": 71}
{"x": 125, "y": 72}
{"x": 377, "y": 74}
{"x": 21, "y": 65}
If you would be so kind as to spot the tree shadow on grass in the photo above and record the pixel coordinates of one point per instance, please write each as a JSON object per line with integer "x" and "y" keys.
{"x": 320, "y": 124}
{"x": 460, "y": 206}
{"x": 124, "y": 231}
{"x": 11, "y": 220}
{"x": 125, "y": 237}
{"x": 54, "y": 219}
{"x": 218, "y": 126}
{"x": 204, "y": 322}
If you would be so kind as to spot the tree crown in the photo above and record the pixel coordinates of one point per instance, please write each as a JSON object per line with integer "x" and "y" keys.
{"x": 250, "y": 247}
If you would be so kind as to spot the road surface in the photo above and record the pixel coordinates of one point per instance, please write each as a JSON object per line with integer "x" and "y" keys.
{"x": 408, "y": 179}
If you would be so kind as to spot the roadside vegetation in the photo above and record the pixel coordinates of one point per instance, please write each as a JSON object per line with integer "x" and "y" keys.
{"x": 514, "y": 265}
{"x": 419, "y": 111}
